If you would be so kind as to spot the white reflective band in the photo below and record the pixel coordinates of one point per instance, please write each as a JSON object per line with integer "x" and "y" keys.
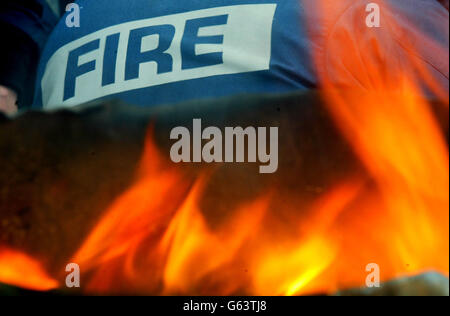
{"x": 246, "y": 47}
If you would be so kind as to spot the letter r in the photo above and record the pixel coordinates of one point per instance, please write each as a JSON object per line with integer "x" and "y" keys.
{"x": 135, "y": 57}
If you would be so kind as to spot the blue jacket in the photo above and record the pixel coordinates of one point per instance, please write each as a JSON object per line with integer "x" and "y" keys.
{"x": 25, "y": 26}
{"x": 163, "y": 51}
{"x": 33, "y": 17}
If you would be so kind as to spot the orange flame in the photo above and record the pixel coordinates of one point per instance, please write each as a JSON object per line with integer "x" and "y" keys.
{"x": 395, "y": 134}
{"x": 154, "y": 239}
{"x": 20, "y": 270}
{"x": 396, "y": 216}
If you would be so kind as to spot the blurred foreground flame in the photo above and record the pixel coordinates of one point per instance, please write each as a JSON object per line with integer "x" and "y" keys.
{"x": 20, "y": 270}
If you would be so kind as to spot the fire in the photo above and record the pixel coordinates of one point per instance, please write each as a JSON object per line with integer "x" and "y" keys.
{"x": 194, "y": 250}
{"x": 404, "y": 218}
{"x": 144, "y": 244}
{"x": 396, "y": 215}
{"x": 296, "y": 267}
{"x": 20, "y": 270}
{"x": 395, "y": 134}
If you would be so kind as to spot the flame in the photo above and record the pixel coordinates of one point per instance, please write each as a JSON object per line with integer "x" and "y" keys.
{"x": 296, "y": 266}
{"x": 194, "y": 250}
{"x": 404, "y": 218}
{"x": 395, "y": 216}
{"x": 20, "y": 270}
{"x": 137, "y": 217}
{"x": 128, "y": 248}
{"x": 395, "y": 134}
